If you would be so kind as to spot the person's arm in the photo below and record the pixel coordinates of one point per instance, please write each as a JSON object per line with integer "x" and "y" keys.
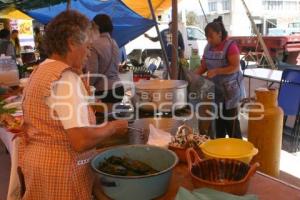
{"x": 233, "y": 66}
{"x": 153, "y": 39}
{"x": 233, "y": 57}
{"x": 71, "y": 109}
{"x": 85, "y": 138}
{"x": 117, "y": 54}
{"x": 202, "y": 68}
{"x": 181, "y": 42}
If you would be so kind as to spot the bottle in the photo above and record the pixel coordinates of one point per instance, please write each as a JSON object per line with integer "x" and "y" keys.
{"x": 195, "y": 60}
{"x": 148, "y": 74}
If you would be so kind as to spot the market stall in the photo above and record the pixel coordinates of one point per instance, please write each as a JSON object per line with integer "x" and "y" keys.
{"x": 167, "y": 149}
{"x": 18, "y": 20}
{"x": 127, "y": 24}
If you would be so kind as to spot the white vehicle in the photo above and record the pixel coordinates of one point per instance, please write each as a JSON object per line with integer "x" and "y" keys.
{"x": 193, "y": 37}
{"x": 293, "y": 28}
{"x": 195, "y": 40}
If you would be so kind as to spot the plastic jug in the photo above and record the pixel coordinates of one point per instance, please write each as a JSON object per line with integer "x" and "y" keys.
{"x": 9, "y": 73}
{"x": 195, "y": 60}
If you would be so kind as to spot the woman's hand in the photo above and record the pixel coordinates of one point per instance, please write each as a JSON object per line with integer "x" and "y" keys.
{"x": 120, "y": 127}
{"x": 19, "y": 132}
{"x": 212, "y": 73}
{"x": 85, "y": 138}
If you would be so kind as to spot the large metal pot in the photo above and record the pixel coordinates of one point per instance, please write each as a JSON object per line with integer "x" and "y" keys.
{"x": 160, "y": 95}
{"x": 139, "y": 187}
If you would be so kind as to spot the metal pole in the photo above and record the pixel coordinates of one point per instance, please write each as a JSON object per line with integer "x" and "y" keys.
{"x": 260, "y": 39}
{"x": 68, "y": 4}
{"x": 174, "y": 62}
{"x": 203, "y": 11}
{"x": 164, "y": 54}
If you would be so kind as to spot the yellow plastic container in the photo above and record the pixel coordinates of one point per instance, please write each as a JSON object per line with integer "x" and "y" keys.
{"x": 230, "y": 148}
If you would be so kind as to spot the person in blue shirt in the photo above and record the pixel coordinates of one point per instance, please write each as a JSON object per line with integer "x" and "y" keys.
{"x": 167, "y": 41}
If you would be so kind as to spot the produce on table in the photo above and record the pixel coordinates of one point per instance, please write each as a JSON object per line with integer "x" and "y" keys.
{"x": 2, "y": 90}
{"x": 183, "y": 139}
{"x": 7, "y": 120}
{"x": 4, "y": 110}
{"x": 124, "y": 166}
{"x": 180, "y": 140}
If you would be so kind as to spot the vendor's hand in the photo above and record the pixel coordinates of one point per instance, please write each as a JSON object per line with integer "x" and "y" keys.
{"x": 212, "y": 73}
{"x": 120, "y": 127}
{"x": 20, "y": 131}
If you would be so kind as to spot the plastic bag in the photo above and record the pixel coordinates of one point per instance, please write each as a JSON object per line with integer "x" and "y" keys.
{"x": 158, "y": 137}
{"x": 201, "y": 90}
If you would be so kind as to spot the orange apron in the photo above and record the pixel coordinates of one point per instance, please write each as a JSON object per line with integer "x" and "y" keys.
{"x": 51, "y": 168}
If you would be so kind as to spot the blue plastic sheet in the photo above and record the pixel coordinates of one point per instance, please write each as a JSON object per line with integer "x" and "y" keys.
{"x": 127, "y": 24}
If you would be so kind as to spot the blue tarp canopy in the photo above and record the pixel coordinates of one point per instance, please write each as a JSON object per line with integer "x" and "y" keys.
{"x": 127, "y": 24}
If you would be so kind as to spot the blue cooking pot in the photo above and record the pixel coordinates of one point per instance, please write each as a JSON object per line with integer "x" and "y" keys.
{"x": 137, "y": 187}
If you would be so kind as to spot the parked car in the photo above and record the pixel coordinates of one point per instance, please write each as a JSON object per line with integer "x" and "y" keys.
{"x": 195, "y": 40}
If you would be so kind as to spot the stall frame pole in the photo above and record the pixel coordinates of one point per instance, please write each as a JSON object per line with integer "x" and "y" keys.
{"x": 68, "y": 4}
{"x": 174, "y": 61}
{"x": 205, "y": 17}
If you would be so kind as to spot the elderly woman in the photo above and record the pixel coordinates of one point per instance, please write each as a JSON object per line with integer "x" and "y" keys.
{"x": 105, "y": 60}
{"x": 58, "y": 120}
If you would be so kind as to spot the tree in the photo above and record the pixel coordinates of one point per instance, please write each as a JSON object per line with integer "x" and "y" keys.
{"x": 192, "y": 19}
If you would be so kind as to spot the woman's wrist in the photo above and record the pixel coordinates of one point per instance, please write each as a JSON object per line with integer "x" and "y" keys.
{"x": 218, "y": 71}
{"x": 111, "y": 128}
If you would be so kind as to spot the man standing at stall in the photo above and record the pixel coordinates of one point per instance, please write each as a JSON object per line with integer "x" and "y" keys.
{"x": 104, "y": 60}
{"x": 167, "y": 41}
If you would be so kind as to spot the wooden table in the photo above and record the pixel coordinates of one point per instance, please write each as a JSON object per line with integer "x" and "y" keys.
{"x": 265, "y": 187}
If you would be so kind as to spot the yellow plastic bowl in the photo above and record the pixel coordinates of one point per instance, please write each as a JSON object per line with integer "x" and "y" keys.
{"x": 229, "y": 148}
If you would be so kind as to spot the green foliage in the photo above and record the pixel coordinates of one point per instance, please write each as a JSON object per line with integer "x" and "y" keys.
{"x": 5, "y": 110}
{"x": 192, "y": 19}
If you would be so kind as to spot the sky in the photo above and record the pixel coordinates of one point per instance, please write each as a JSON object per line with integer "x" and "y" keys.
{"x": 190, "y": 5}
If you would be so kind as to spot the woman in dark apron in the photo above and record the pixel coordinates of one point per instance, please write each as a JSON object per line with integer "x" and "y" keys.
{"x": 221, "y": 61}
